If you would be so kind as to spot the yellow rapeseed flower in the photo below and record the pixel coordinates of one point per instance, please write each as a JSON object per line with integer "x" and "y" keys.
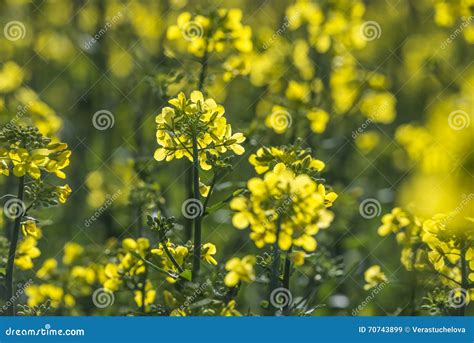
{"x": 239, "y": 270}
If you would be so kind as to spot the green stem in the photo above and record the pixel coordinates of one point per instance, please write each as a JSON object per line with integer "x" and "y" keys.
{"x": 286, "y": 275}
{"x": 12, "y": 253}
{"x": 211, "y": 189}
{"x": 143, "y": 290}
{"x": 171, "y": 257}
{"x": 204, "y": 64}
{"x": 464, "y": 280}
{"x": 189, "y": 186}
{"x": 286, "y": 278}
{"x": 413, "y": 287}
{"x": 197, "y": 220}
{"x": 274, "y": 280}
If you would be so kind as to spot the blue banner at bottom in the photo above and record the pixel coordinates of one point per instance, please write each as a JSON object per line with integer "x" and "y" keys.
{"x": 237, "y": 329}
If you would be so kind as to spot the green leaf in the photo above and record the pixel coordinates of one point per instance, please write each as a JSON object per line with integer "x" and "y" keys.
{"x": 151, "y": 264}
{"x": 186, "y": 275}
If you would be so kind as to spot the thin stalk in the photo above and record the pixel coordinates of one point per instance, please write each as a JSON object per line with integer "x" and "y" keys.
{"x": 274, "y": 281}
{"x": 171, "y": 257}
{"x": 286, "y": 275}
{"x": 413, "y": 288}
{"x": 189, "y": 186}
{"x": 197, "y": 220}
{"x": 464, "y": 280}
{"x": 204, "y": 64}
{"x": 12, "y": 253}
{"x": 286, "y": 278}
{"x": 211, "y": 189}
{"x": 143, "y": 291}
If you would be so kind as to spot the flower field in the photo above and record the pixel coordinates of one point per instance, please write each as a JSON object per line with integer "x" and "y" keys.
{"x": 236, "y": 158}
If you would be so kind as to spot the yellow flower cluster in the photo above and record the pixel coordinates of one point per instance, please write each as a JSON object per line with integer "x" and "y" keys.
{"x": 374, "y": 276}
{"x": 239, "y": 270}
{"x": 283, "y": 206}
{"x": 11, "y": 77}
{"x": 36, "y": 112}
{"x": 150, "y": 295}
{"x": 72, "y": 251}
{"x": 62, "y": 286}
{"x": 338, "y": 27}
{"x": 449, "y": 13}
{"x": 128, "y": 265}
{"x": 179, "y": 253}
{"x": 196, "y": 119}
{"x": 447, "y": 248}
{"x": 26, "y": 251}
{"x": 378, "y": 106}
{"x": 299, "y": 161}
{"x": 215, "y": 33}
{"x": 40, "y": 294}
{"x": 318, "y": 119}
{"x": 24, "y": 104}
{"x": 407, "y": 229}
{"x": 52, "y": 159}
{"x": 431, "y": 245}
